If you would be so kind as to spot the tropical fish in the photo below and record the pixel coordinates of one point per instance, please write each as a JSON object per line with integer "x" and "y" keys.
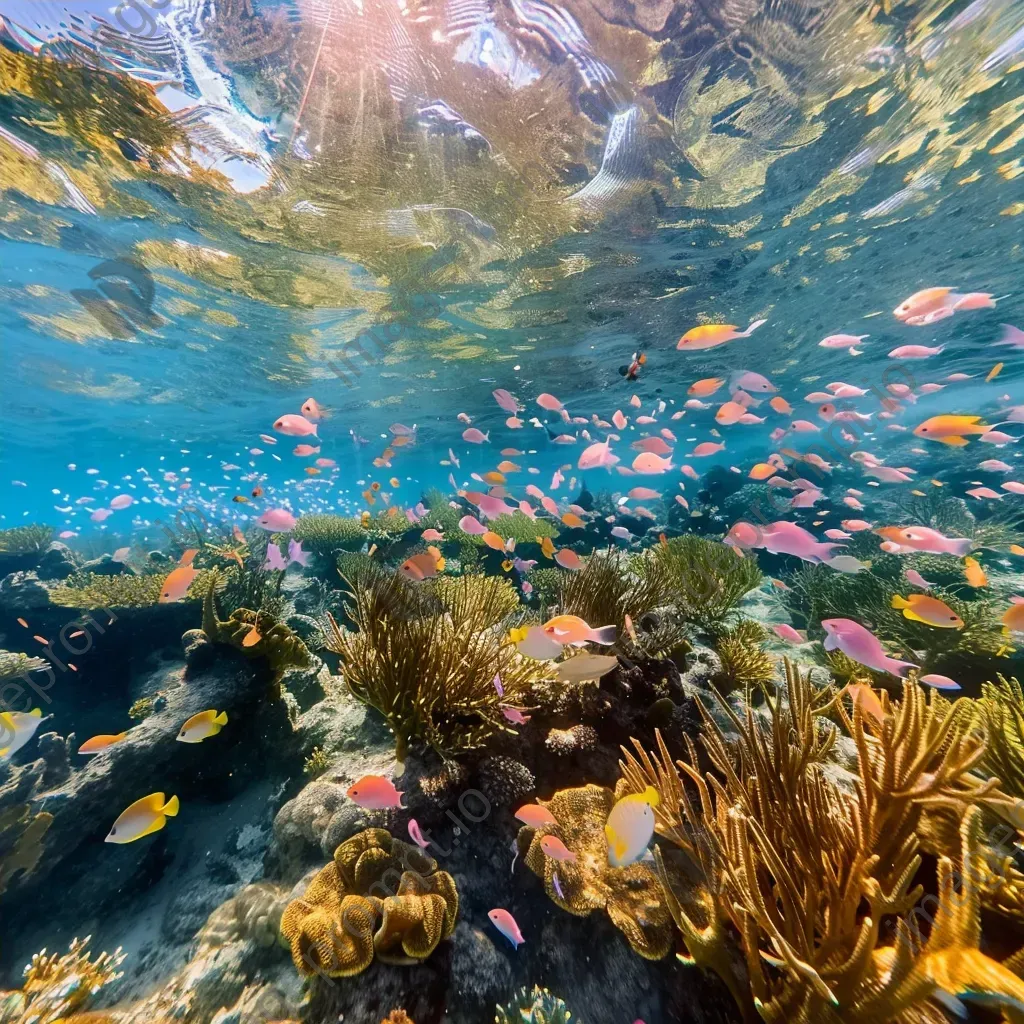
{"x": 847, "y": 341}
{"x": 295, "y": 426}
{"x": 568, "y": 559}
{"x": 630, "y": 827}
{"x": 950, "y": 429}
{"x": 514, "y": 715}
{"x": 924, "y": 538}
{"x": 860, "y": 644}
{"x": 16, "y": 729}
{"x": 475, "y": 436}
{"x": 554, "y": 848}
{"x": 929, "y": 610}
{"x": 938, "y": 681}
{"x": 585, "y": 666}
{"x": 143, "y": 818}
{"x": 974, "y": 574}
{"x": 533, "y": 642}
{"x": 786, "y": 632}
{"x": 1013, "y": 617}
{"x": 277, "y": 520}
{"x": 202, "y": 726}
{"x": 506, "y": 924}
{"x": 176, "y": 585}
{"x": 375, "y": 793}
{"x": 535, "y": 816}
{"x": 97, "y": 744}
{"x": 571, "y": 629}
{"x": 711, "y": 335}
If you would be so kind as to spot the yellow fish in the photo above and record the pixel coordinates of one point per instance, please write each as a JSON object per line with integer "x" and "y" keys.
{"x": 950, "y": 429}
{"x": 202, "y": 726}
{"x": 507, "y": 564}
{"x": 994, "y": 372}
{"x": 974, "y": 574}
{"x": 919, "y": 494}
{"x": 144, "y": 817}
{"x": 546, "y": 547}
{"x": 929, "y": 610}
{"x": 630, "y": 827}
{"x": 492, "y": 476}
{"x": 518, "y": 635}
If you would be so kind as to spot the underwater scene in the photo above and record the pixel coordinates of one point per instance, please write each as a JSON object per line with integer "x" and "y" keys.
{"x": 511, "y": 511}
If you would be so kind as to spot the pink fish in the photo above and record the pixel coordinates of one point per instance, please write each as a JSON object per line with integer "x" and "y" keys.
{"x": 651, "y": 444}
{"x": 706, "y": 448}
{"x": 431, "y": 534}
{"x": 930, "y": 389}
{"x": 855, "y": 525}
{"x": 568, "y": 559}
{"x": 121, "y": 501}
{"x": 549, "y": 402}
{"x": 375, "y": 793}
{"x": 312, "y": 410}
{"x": 564, "y": 439}
{"x": 915, "y": 352}
{"x": 505, "y": 400}
{"x": 838, "y": 535}
{"x": 464, "y": 417}
{"x": 924, "y": 538}
{"x": 995, "y": 466}
{"x": 326, "y": 463}
{"x": 862, "y": 646}
{"x": 841, "y": 390}
{"x": 1013, "y": 336}
{"x": 275, "y": 560}
{"x": 635, "y": 401}
{"x": 1013, "y": 486}
{"x": 644, "y": 494}
{"x": 619, "y": 420}
{"x": 645, "y": 420}
{"x": 514, "y": 715}
{"x": 996, "y": 437}
{"x": 786, "y": 632}
{"x": 915, "y": 578}
{"x": 804, "y": 427}
{"x": 472, "y": 525}
{"x": 939, "y": 682}
{"x": 491, "y": 507}
{"x": 296, "y": 554}
{"x": 847, "y": 341}
{"x": 302, "y": 450}
{"x": 984, "y": 492}
{"x": 649, "y": 463}
{"x": 514, "y": 423}
{"x": 277, "y": 520}
{"x": 506, "y": 924}
{"x": 621, "y": 533}
{"x": 416, "y": 834}
{"x": 473, "y": 435}
{"x": 751, "y": 381}
{"x": 554, "y": 848}
{"x": 597, "y": 456}
{"x": 295, "y": 426}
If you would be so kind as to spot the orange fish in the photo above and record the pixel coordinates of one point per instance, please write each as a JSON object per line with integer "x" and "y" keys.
{"x": 257, "y": 492}
{"x": 98, "y": 744}
{"x": 705, "y": 387}
{"x": 419, "y": 567}
{"x": 368, "y": 495}
{"x": 252, "y": 638}
{"x": 762, "y": 471}
{"x": 1015, "y": 549}
{"x": 867, "y": 700}
{"x": 711, "y": 335}
{"x": 573, "y": 520}
{"x": 779, "y": 404}
{"x": 493, "y": 541}
{"x": 22, "y": 622}
{"x": 546, "y": 546}
{"x": 177, "y": 583}
{"x": 1013, "y": 617}
{"x": 401, "y": 442}
{"x": 187, "y": 556}
{"x": 508, "y": 467}
{"x": 395, "y": 482}
{"x": 568, "y": 559}
{"x": 492, "y": 476}
{"x": 312, "y": 471}
{"x": 974, "y": 574}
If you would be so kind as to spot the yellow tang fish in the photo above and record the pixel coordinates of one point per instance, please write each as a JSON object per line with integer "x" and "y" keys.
{"x": 144, "y": 817}
{"x": 929, "y": 610}
{"x": 630, "y": 827}
{"x": 202, "y": 726}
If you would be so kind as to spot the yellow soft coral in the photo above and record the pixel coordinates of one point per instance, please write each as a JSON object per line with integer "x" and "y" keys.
{"x": 631, "y": 895}
{"x": 350, "y": 913}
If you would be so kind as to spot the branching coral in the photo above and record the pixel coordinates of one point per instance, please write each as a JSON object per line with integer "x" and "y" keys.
{"x": 630, "y": 895}
{"x": 520, "y": 528}
{"x": 745, "y": 663}
{"x": 14, "y": 664}
{"x": 57, "y": 986}
{"x": 538, "y": 1006}
{"x": 21, "y": 841}
{"x": 25, "y": 540}
{"x": 612, "y": 586}
{"x": 324, "y": 533}
{"x": 704, "y": 579}
{"x": 379, "y": 896}
{"x": 89, "y": 590}
{"x": 255, "y": 634}
{"x": 426, "y": 657}
{"x": 805, "y": 871}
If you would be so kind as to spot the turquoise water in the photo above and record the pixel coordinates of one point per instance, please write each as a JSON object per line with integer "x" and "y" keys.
{"x": 213, "y": 213}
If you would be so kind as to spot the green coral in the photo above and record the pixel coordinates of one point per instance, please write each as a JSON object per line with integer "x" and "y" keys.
{"x": 426, "y": 655}
{"x": 324, "y": 533}
{"x": 280, "y": 645}
{"x": 547, "y": 583}
{"x": 317, "y": 763}
{"x": 745, "y": 663}
{"x": 89, "y": 590}
{"x": 142, "y": 709}
{"x": 521, "y": 528}
{"x": 21, "y": 841}
{"x": 704, "y": 579}
{"x": 25, "y": 540}
{"x": 538, "y": 1006}
{"x": 14, "y": 664}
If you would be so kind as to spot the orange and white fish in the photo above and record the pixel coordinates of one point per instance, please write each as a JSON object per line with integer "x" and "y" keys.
{"x": 375, "y": 793}
{"x": 143, "y": 818}
{"x": 712, "y": 335}
{"x": 177, "y": 583}
{"x": 202, "y": 726}
{"x": 97, "y": 744}
{"x": 571, "y": 629}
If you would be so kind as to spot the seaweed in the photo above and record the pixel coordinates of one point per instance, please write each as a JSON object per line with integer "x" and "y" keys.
{"x": 426, "y": 657}
{"x": 25, "y": 540}
{"x": 797, "y": 872}
{"x": 14, "y": 664}
{"x": 704, "y": 579}
{"x": 745, "y": 663}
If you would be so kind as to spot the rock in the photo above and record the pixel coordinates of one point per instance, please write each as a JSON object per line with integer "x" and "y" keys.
{"x": 480, "y": 974}
{"x": 56, "y": 753}
{"x": 23, "y": 592}
{"x": 57, "y": 563}
{"x": 308, "y": 685}
{"x": 340, "y": 723}
{"x": 106, "y": 566}
{"x": 197, "y": 648}
{"x": 189, "y": 908}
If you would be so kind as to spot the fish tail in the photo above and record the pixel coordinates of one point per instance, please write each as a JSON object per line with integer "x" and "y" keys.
{"x": 961, "y": 547}
{"x": 856, "y": 351}
{"x": 750, "y": 330}
{"x": 900, "y": 602}
{"x": 221, "y": 719}
{"x": 899, "y": 668}
{"x": 605, "y": 635}
{"x": 171, "y": 808}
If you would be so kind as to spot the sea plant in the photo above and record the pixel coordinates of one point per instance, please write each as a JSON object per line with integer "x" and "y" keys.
{"x": 349, "y": 913}
{"x": 534, "y": 1006}
{"x": 316, "y": 763}
{"x": 322, "y": 533}
{"x": 704, "y": 579}
{"x": 58, "y": 986}
{"x": 799, "y": 872}
{"x": 89, "y": 590}
{"x": 25, "y": 540}
{"x": 426, "y": 656}
{"x": 14, "y": 664}
{"x": 745, "y": 662}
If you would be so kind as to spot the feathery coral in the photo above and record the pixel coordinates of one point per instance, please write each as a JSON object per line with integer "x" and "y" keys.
{"x": 25, "y": 540}
{"x": 538, "y": 1006}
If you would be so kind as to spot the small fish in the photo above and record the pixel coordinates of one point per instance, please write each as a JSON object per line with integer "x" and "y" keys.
{"x": 202, "y": 726}
{"x": 847, "y": 563}
{"x": 176, "y": 585}
{"x": 585, "y": 667}
{"x": 18, "y": 728}
{"x": 867, "y": 700}
{"x": 252, "y": 638}
{"x": 535, "y": 816}
{"x": 97, "y": 744}
{"x": 475, "y": 436}
{"x": 554, "y": 848}
{"x": 974, "y": 573}
{"x": 416, "y": 834}
{"x": 419, "y": 567}
{"x": 950, "y": 429}
{"x": 939, "y": 682}
{"x": 506, "y": 924}
{"x": 143, "y": 818}
{"x": 571, "y": 629}
{"x": 533, "y": 642}
{"x": 630, "y": 827}
{"x": 295, "y": 426}
{"x": 994, "y": 372}
{"x": 557, "y": 885}
{"x": 375, "y": 793}
{"x": 929, "y": 610}
{"x": 568, "y": 559}
{"x": 917, "y": 579}
{"x": 860, "y": 644}
{"x": 514, "y": 715}
{"x": 711, "y": 335}
{"x": 277, "y": 520}
{"x": 312, "y": 410}
{"x": 786, "y": 632}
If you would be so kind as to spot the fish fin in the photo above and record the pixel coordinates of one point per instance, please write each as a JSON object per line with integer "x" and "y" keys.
{"x": 605, "y": 635}
{"x": 171, "y": 808}
{"x": 856, "y": 351}
{"x": 954, "y": 442}
{"x": 913, "y": 616}
{"x": 750, "y": 330}
{"x": 121, "y": 735}
{"x": 158, "y": 823}
{"x": 831, "y": 643}
{"x": 7, "y": 750}
{"x": 36, "y": 713}
{"x": 221, "y": 719}
{"x": 900, "y": 602}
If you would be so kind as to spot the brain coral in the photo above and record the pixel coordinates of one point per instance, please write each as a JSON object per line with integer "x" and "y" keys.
{"x": 379, "y": 896}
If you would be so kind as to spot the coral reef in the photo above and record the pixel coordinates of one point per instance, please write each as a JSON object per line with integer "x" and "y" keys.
{"x": 349, "y": 913}
{"x": 14, "y": 664}
{"x": 324, "y": 533}
{"x": 426, "y": 657}
{"x": 631, "y": 895}
{"x": 316, "y": 763}
{"x": 536, "y": 1006}
{"x": 505, "y": 781}
{"x": 21, "y": 841}
{"x": 573, "y": 740}
{"x": 90, "y": 590}
{"x": 789, "y": 858}
{"x": 744, "y": 662}
{"x": 703, "y": 579}
{"x": 58, "y": 986}
{"x": 25, "y": 540}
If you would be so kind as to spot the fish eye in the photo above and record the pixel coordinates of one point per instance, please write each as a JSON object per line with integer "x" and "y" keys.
{"x": 113, "y": 831}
